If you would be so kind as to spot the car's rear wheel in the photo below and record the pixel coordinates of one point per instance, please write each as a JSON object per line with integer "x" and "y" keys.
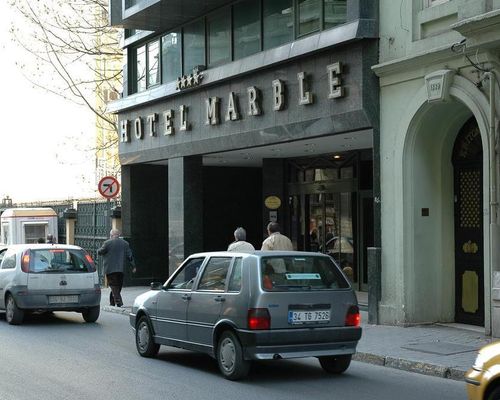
{"x": 335, "y": 364}
{"x": 91, "y": 314}
{"x": 230, "y": 357}
{"x": 13, "y": 314}
{"x": 144, "y": 340}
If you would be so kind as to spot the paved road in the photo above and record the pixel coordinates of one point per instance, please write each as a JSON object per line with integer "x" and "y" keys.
{"x": 61, "y": 357}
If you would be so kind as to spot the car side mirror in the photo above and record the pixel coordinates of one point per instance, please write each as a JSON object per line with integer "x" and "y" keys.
{"x": 156, "y": 285}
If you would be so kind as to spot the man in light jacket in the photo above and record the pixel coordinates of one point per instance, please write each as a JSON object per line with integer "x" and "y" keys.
{"x": 275, "y": 240}
{"x": 240, "y": 244}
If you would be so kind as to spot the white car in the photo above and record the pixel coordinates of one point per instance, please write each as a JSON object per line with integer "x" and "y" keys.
{"x": 48, "y": 277}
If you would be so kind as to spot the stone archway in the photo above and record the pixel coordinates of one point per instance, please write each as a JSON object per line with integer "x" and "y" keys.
{"x": 425, "y": 183}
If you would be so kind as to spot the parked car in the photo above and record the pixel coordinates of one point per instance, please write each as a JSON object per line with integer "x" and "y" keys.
{"x": 239, "y": 307}
{"x": 483, "y": 379}
{"x": 47, "y": 277}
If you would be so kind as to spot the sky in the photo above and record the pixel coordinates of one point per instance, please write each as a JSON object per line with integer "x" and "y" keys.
{"x": 39, "y": 157}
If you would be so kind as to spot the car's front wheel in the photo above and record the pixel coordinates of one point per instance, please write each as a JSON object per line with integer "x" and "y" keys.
{"x": 335, "y": 364}
{"x": 144, "y": 340}
{"x": 91, "y": 314}
{"x": 13, "y": 314}
{"x": 230, "y": 357}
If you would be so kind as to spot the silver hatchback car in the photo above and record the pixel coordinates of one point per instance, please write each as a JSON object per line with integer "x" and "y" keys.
{"x": 48, "y": 277}
{"x": 239, "y": 307}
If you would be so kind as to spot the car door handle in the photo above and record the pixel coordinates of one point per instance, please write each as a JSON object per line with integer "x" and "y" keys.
{"x": 186, "y": 297}
{"x": 219, "y": 299}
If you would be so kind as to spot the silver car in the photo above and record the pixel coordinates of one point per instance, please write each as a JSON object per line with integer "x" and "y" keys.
{"x": 239, "y": 307}
{"x": 48, "y": 277}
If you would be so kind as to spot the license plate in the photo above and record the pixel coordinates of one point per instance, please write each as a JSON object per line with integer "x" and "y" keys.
{"x": 63, "y": 299}
{"x": 306, "y": 317}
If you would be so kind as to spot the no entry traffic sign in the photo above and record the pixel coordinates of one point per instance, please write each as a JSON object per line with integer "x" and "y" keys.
{"x": 109, "y": 187}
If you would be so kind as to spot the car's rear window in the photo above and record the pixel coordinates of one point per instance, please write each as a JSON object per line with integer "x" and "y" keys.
{"x": 59, "y": 260}
{"x": 301, "y": 274}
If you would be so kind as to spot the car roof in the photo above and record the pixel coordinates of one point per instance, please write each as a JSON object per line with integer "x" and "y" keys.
{"x": 35, "y": 246}
{"x": 259, "y": 253}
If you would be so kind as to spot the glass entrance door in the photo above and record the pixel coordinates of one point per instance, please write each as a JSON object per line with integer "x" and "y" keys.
{"x": 326, "y": 222}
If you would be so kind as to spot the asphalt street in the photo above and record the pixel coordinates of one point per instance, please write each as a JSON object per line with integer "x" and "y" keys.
{"x": 60, "y": 357}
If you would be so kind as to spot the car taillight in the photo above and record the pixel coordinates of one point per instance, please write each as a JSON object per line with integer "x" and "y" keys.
{"x": 25, "y": 261}
{"x": 353, "y": 317}
{"x": 259, "y": 318}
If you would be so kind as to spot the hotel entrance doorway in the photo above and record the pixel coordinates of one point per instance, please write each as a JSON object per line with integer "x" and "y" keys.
{"x": 329, "y": 213}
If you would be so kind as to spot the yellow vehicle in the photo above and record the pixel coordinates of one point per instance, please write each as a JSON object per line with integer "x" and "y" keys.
{"x": 27, "y": 225}
{"x": 483, "y": 379}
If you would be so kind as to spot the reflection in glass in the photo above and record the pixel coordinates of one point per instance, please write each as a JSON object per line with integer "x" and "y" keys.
{"x": 153, "y": 63}
{"x": 171, "y": 56}
{"x": 219, "y": 38}
{"x": 246, "y": 20}
{"x": 194, "y": 45}
{"x": 141, "y": 69}
{"x": 335, "y": 13}
{"x": 278, "y": 22}
{"x": 309, "y": 16}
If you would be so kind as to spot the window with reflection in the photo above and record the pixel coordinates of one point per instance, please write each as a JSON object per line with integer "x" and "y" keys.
{"x": 278, "y": 22}
{"x": 153, "y": 63}
{"x": 219, "y": 37}
{"x": 141, "y": 69}
{"x": 171, "y": 56}
{"x": 194, "y": 45}
{"x": 335, "y": 13}
{"x": 309, "y": 16}
{"x": 246, "y": 31}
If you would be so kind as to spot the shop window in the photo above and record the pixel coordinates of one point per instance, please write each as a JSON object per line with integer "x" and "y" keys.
{"x": 153, "y": 63}
{"x": 194, "y": 45}
{"x": 171, "y": 57}
{"x": 278, "y": 22}
{"x": 247, "y": 35}
{"x": 219, "y": 38}
{"x": 309, "y": 16}
{"x": 335, "y": 13}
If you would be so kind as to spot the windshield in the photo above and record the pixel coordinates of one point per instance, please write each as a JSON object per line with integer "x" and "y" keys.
{"x": 60, "y": 260}
{"x": 301, "y": 273}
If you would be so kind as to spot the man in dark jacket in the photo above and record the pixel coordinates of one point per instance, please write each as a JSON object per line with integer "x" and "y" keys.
{"x": 116, "y": 255}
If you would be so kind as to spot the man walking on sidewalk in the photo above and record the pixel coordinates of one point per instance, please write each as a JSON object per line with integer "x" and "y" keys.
{"x": 116, "y": 255}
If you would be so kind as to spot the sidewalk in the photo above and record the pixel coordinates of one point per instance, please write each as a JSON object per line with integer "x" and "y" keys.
{"x": 442, "y": 350}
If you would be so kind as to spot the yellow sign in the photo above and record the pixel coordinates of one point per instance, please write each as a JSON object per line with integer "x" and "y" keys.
{"x": 272, "y": 202}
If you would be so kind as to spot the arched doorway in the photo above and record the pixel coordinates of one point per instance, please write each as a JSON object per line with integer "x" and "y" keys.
{"x": 467, "y": 161}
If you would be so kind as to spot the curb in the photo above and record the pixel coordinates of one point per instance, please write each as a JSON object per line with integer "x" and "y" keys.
{"x": 418, "y": 367}
{"x": 117, "y": 310}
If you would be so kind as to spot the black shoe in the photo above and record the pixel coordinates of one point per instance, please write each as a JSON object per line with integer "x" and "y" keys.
{"x": 119, "y": 305}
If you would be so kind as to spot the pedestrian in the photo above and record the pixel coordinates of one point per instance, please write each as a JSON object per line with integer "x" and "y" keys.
{"x": 116, "y": 256}
{"x": 240, "y": 244}
{"x": 275, "y": 240}
{"x": 50, "y": 239}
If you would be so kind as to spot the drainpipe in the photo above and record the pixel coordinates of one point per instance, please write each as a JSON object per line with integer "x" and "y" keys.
{"x": 491, "y": 133}
{"x": 494, "y": 236}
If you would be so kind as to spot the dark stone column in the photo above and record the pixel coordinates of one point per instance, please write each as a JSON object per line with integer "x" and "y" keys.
{"x": 273, "y": 184}
{"x": 144, "y": 221}
{"x": 185, "y": 208}
{"x": 374, "y": 283}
